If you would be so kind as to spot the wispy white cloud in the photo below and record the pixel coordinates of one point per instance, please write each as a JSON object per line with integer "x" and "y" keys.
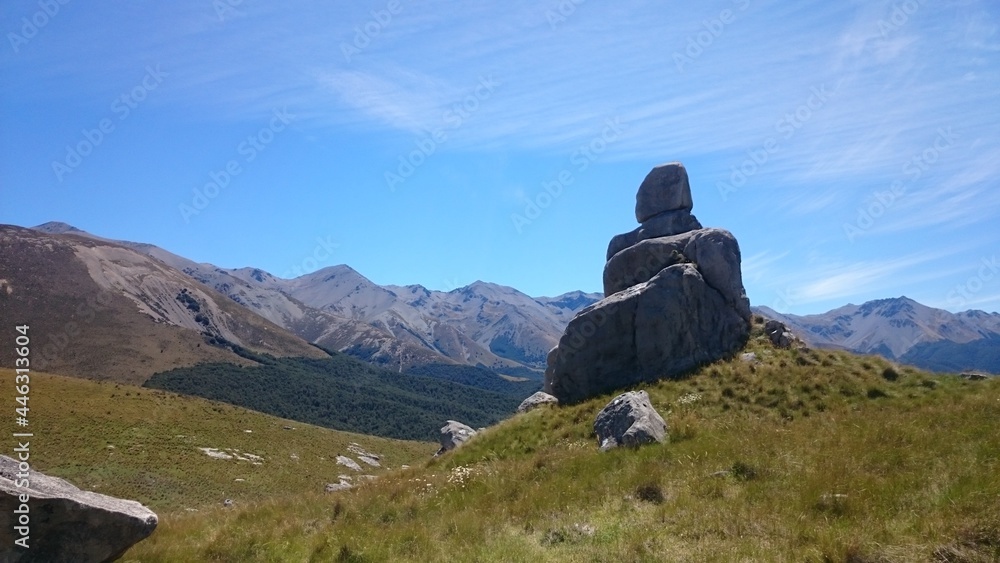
{"x": 825, "y": 280}
{"x": 889, "y": 91}
{"x": 761, "y": 264}
{"x": 407, "y": 100}
{"x": 964, "y": 195}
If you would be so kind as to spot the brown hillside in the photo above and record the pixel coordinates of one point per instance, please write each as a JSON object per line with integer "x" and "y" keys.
{"x": 100, "y": 310}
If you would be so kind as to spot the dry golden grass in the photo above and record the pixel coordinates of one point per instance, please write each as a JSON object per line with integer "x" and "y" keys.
{"x": 144, "y": 445}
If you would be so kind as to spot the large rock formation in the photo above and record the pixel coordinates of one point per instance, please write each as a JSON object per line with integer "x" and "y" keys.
{"x": 63, "y": 522}
{"x": 674, "y": 299}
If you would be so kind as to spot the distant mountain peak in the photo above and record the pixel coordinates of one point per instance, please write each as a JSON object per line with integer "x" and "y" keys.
{"x": 332, "y": 272}
{"x": 900, "y": 328}
{"x": 57, "y": 228}
{"x": 480, "y": 285}
{"x": 891, "y": 307}
{"x": 130, "y": 303}
{"x": 572, "y": 301}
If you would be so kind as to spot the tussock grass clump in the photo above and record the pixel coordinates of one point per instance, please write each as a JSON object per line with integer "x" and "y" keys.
{"x": 890, "y": 373}
{"x": 650, "y": 492}
{"x": 743, "y": 471}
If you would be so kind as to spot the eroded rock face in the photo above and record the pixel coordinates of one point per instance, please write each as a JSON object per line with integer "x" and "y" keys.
{"x": 662, "y": 225}
{"x": 674, "y": 299}
{"x": 659, "y": 328}
{"x": 629, "y": 420}
{"x": 65, "y": 523}
{"x": 713, "y": 251}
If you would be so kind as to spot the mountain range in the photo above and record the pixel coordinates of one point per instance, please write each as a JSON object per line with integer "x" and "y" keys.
{"x": 904, "y": 330}
{"x": 336, "y": 308}
{"x": 54, "y": 274}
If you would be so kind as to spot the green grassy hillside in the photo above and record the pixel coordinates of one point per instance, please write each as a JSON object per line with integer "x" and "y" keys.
{"x": 144, "y": 445}
{"x": 803, "y": 456}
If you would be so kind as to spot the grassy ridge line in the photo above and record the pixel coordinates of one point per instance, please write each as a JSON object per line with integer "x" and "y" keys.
{"x": 143, "y": 444}
{"x": 825, "y": 456}
{"x": 343, "y": 393}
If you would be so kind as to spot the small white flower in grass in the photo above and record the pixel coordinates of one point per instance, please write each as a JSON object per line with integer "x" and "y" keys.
{"x": 689, "y": 398}
{"x": 459, "y": 474}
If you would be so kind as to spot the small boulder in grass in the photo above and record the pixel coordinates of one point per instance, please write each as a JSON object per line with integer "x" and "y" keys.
{"x": 536, "y": 400}
{"x": 974, "y": 376}
{"x": 629, "y": 420}
{"x": 343, "y": 485}
{"x": 453, "y": 434}
{"x": 780, "y": 336}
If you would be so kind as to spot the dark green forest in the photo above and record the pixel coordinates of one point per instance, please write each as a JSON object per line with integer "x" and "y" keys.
{"x": 982, "y": 354}
{"x": 344, "y": 393}
{"x": 481, "y": 378}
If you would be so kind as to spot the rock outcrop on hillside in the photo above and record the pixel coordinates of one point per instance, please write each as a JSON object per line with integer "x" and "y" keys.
{"x": 780, "y": 336}
{"x": 629, "y": 420}
{"x": 453, "y": 434}
{"x": 674, "y": 299}
{"x": 536, "y": 400}
{"x": 63, "y": 522}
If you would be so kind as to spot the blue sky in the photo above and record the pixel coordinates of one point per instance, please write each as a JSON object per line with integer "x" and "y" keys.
{"x": 853, "y": 148}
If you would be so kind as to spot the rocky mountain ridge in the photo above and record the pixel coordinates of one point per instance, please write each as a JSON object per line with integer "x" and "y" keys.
{"x": 904, "y": 330}
{"x": 99, "y": 309}
{"x": 398, "y": 327}
{"x": 403, "y": 326}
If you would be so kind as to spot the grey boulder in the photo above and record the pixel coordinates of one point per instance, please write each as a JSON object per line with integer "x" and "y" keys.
{"x": 715, "y": 252}
{"x": 974, "y": 376}
{"x": 454, "y": 434}
{"x": 65, "y": 523}
{"x": 538, "y": 399}
{"x": 657, "y": 329}
{"x": 665, "y": 224}
{"x": 665, "y": 188}
{"x": 343, "y": 485}
{"x": 779, "y": 335}
{"x": 629, "y": 420}
{"x": 348, "y": 462}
